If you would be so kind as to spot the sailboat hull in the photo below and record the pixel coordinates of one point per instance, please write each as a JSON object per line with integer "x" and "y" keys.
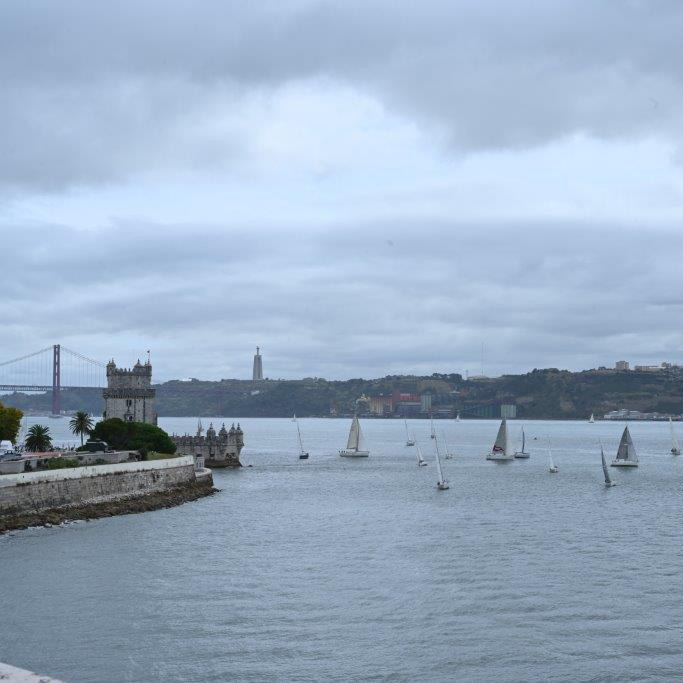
{"x": 499, "y": 458}
{"x": 521, "y": 455}
{"x": 303, "y": 456}
{"x": 410, "y": 443}
{"x": 442, "y": 486}
{"x": 354, "y": 454}
{"x": 624, "y": 463}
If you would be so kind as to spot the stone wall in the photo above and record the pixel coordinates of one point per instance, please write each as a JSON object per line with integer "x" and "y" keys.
{"x": 36, "y": 491}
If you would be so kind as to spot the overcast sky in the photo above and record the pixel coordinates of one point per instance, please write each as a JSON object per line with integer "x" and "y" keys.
{"x": 361, "y": 187}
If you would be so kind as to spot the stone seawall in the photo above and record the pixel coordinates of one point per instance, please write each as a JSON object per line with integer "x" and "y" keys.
{"x": 35, "y": 498}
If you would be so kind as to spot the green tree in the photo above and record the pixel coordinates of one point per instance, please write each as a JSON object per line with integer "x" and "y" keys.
{"x": 10, "y": 421}
{"x": 38, "y": 439}
{"x": 81, "y": 423}
{"x": 136, "y": 436}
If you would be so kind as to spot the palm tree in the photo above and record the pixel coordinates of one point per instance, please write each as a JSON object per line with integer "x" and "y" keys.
{"x": 81, "y": 423}
{"x": 38, "y": 439}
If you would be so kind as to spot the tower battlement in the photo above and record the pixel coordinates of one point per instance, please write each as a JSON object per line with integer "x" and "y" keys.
{"x": 129, "y": 394}
{"x": 220, "y": 449}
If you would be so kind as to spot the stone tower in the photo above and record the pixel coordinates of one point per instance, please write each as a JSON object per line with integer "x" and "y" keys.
{"x": 129, "y": 394}
{"x": 258, "y": 366}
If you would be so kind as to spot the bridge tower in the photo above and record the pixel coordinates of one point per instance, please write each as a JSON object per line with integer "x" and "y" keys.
{"x": 56, "y": 379}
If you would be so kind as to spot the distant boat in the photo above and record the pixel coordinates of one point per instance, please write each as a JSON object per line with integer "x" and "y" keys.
{"x": 522, "y": 453}
{"x": 591, "y": 419}
{"x": 409, "y": 441}
{"x": 449, "y": 453}
{"x": 605, "y": 471}
{"x": 421, "y": 462}
{"x": 626, "y": 453}
{"x": 303, "y": 455}
{"x": 501, "y": 448}
{"x": 675, "y": 450}
{"x": 354, "y": 446}
{"x": 431, "y": 422}
{"x": 441, "y": 484}
{"x": 457, "y": 417}
{"x": 552, "y": 467}
{"x": 294, "y": 417}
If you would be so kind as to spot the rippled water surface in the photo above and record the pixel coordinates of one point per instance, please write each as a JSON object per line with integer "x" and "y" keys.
{"x": 336, "y": 569}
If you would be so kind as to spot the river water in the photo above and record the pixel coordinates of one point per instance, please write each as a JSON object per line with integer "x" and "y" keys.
{"x": 337, "y": 569}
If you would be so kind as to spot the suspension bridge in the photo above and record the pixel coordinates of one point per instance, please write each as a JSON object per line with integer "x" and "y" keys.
{"x": 52, "y": 369}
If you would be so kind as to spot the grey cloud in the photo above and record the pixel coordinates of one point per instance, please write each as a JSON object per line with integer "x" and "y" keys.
{"x": 95, "y": 93}
{"x": 319, "y": 305}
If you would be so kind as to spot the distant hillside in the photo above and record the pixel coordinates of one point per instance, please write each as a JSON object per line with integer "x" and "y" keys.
{"x": 546, "y": 393}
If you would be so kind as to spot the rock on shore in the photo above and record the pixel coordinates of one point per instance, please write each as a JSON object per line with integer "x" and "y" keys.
{"x": 124, "y": 506}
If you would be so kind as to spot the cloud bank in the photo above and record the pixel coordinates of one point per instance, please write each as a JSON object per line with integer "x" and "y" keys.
{"x": 358, "y": 187}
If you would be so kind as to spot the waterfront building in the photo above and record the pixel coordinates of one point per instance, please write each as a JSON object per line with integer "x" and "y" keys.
{"x": 129, "y": 394}
{"x": 649, "y": 368}
{"x": 220, "y": 449}
{"x": 257, "y": 373}
{"x": 621, "y": 365}
{"x": 508, "y": 410}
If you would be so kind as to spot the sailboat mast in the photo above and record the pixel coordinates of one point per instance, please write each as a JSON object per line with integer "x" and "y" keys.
{"x": 298, "y": 431}
{"x": 438, "y": 459}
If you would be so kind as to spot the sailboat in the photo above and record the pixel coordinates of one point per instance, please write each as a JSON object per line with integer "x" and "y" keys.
{"x": 303, "y": 455}
{"x": 431, "y": 422}
{"x": 294, "y": 417}
{"x": 354, "y": 446}
{"x": 441, "y": 484}
{"x": 605, "y": 471}
{"x": 626, "y": 453}
{"x": 522, "y": 453}
{"x": 457, "y": 417}
{"x": 591, "y": 419}
{"x": 449, "y": 454}
{"x": 675, "y": 450}
{"x": 421, "y": 462}
{"x": 501, "y": 447}
{"x": 409, "y": 441}
{"x": 552, "y": 467}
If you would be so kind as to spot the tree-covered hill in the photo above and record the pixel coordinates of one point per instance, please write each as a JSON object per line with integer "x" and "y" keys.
{"x": 548, "y": 393}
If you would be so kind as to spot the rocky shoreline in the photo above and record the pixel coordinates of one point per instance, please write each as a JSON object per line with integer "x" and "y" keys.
{"x": 124, "y": 506}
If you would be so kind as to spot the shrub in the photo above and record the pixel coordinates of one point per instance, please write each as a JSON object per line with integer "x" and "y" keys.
{"x": 134, "y": 436}
{"x": 61, "y": 463}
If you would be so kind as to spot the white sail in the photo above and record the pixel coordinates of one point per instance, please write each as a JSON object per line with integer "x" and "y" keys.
{"x": 431, "y": 422}
{"x": 354, "y": 435}
{"x": 675, "y": 449}
{"x": 420, "y": 459}
{"x": 523, "y": 441}
{"x": 627, "y": 451}
{"x": 449, "y": 453}
{"x": 551, "y": 462}
{"x": 501, "y": 445}
{"x": 605, "y": 471}
{"x": 592, "y": 419}
{"x": 410, "y": 441}
{"x": 438, "y": 461}
{"x": 457, "y": 417}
